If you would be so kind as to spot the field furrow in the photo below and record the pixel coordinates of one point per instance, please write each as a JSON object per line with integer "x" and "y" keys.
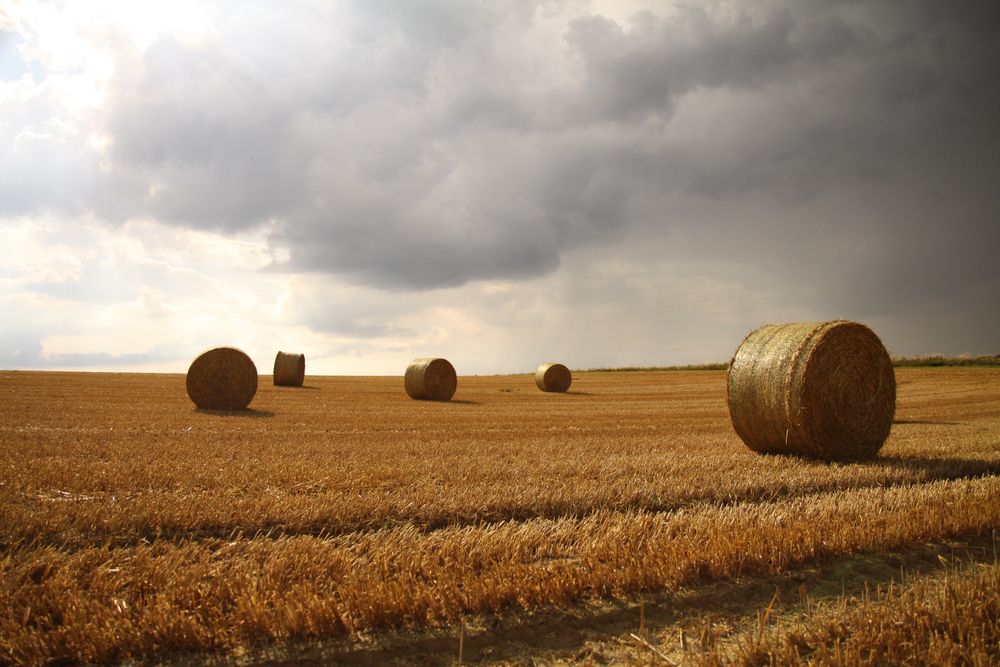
{"x": 203, "y": 596}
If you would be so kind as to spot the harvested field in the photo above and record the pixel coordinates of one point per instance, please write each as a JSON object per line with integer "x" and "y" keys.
{"x": 344, "y": 514}
{"x": 948, "y": 618}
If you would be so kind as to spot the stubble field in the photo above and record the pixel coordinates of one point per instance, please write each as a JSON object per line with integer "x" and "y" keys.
{"x": 342, "y": 520}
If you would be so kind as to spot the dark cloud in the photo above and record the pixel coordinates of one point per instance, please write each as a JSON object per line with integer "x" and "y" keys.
{"x": 847, "y": 150}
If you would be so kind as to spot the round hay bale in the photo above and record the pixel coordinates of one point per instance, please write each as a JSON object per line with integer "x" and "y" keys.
{"x": 553, "y": 377}
{"x": 431, "y": 378}
{"x": 820, "y": 389}
{"x": 222, "y": 378}
{"x": 289, "y": 369}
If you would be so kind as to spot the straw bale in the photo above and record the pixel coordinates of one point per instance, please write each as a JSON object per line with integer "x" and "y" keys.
{"x": 289, "y": 369}
{"x": 431, "y": 378}
{"x": 222, "y": 378}
{"x": 553, "y": 377}
{"x": 819, "y": 389}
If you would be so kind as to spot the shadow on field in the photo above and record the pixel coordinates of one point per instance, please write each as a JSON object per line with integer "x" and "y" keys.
{"x": 941, "y": 467}
{"x": 306, "y": 387}
{"x": 579, "y": 393}
{"x": 929, "y": 468}
{"x": 464, "y": 402}
{"x": 928, "y": 422}
{"x": 249, "y": 412}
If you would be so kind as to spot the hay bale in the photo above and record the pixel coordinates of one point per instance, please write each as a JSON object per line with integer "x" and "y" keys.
{"x": 431, "y": 378}
{"x": 820, "y": 389}
{"x": 553, "y": 377}
{"x": 289, "y": 369}
{"x": 222, "y": 378}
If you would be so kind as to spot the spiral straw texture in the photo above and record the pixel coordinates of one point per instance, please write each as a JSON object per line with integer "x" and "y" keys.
{"x": 289, "y": 369}
{"x": 431, "y": 378}
{"x": 819, "y": 389}
{"x": 222, "y": 378}
{"x": 553, "y": 377}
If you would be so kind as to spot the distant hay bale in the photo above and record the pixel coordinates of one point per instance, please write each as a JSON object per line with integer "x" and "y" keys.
{"x": 289, "y": 369}
{"x": 553, "y": 377}
{"x": 431, "y": 378}
{"x": 820, "y": 389}
{"x": 222, "y": 378}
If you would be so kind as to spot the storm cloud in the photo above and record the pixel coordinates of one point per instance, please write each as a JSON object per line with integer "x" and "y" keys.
{"x": 840, "y": 157}
{"x": 417, "y": 149}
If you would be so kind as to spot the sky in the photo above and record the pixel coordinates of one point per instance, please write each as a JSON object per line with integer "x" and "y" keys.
{"x": 601, "y": 183}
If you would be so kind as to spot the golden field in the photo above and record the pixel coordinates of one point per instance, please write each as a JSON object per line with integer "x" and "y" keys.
{"x": 342, "y": 517}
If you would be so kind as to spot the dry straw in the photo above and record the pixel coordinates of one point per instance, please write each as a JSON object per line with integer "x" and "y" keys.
{"x": 289, "y": 369}
{"x": 553, "y": 377}
{"x": 431, "y": 378}
{"x": 222, "y": 378}
{"x": 821, "y": 389}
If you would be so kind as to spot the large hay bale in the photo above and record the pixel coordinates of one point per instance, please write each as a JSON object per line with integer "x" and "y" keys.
{"x": 431, "y": 378}
{"x": 289, "y": 369}
{"x": 553, "y": 377}
{"x": 222, "y": 378}
{"x": 820, "y": 389}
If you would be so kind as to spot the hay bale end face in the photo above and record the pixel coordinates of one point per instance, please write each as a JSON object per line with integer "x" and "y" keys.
{"x": 222, "y": 378}
{"x": 820, "y": 389}
{"x": 553, "y": 377}
{"x": 289, "y": 369}
{"x": 431, "y": 378}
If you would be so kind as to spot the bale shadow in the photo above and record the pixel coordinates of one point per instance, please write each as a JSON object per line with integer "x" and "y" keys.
{"x": 578, "y": 393}
{"x": 307, "y": 387}
{"x": 249, "y": 412}
{"x": 928, "y": 422}
{"x": 940, "y": 467}
{"x": 932, "y": 467}
{"x": 463, "y": 401}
